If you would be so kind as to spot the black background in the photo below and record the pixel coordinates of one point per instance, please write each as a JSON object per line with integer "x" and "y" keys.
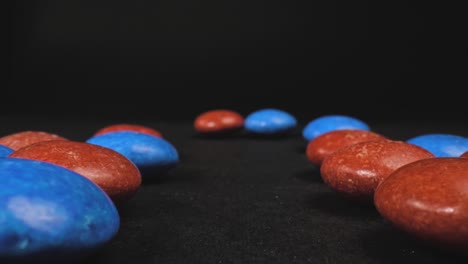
{"x": 170, "y": 60}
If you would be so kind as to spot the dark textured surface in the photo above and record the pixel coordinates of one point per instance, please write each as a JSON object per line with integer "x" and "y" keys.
{"x": 248, "y": 199}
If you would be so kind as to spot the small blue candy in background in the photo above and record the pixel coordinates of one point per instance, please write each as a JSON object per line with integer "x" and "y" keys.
{"x": 269, "y": 121}
{"x": 149, "y": 153}
{"x": 328, "y": 123}
{"x": 5, "y": 151}
{"x": 442, "y": 145}
{"x": 49, "y": 214}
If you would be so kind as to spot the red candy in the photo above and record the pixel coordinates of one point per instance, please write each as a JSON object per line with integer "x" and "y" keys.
{"x": 464, "y": 155}
{"x": 428, "y": 199}
{"x": 324, "y": 145}
{"x": 129, "y": 127}
{"x": 356, "y": 170}
{"x": 24, "y": 138}
{"x": 215, "y": 121}
{"x": 110, "y": 170}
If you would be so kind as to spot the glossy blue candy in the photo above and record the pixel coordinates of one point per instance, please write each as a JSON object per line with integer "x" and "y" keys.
{"x": 442, "y": 145}
{"x": 327, "y": 123}
{"x": 51, "y": 214}
{"x": 5, "y": 151}
{"x": 269, "y": 121}
{"x": 149, "y": 153}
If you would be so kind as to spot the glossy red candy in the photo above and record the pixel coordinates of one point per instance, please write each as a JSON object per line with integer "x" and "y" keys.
{"x": 110, "y": 170}
{"x": 356, "y": 170}
{"x": 216, "y": 121}
{"x": 129, "y": 127}
{"x": 21, "y": 139}
{"x": 325, "y": 144}
{"x": 428, "y": 199}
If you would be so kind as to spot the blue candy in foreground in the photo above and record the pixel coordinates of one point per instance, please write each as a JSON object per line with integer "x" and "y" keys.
{"x": 49, "y": 213}
{"x": 442, "y": 145}
{"x": 149, "y": 153}
{"x": 329, "y": 123}
{"x": 5, "y": 151}
{"x": 269, "y": 121}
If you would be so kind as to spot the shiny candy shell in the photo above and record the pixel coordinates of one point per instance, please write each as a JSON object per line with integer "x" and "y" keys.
{"x": 149, "y": 153}
{"x": 110, "y": 170}
{"x": 216, "y": 121}
{"x": 356, "y": 170}
{"x": 5, "y": 151}
{"x": 129, "y": 127}
{"x": 324, "y": 145}
{"x": 441, "y": 145}
{"x": 24, "y": 138}
{"x": 428, "y": 199}
{"x": 327, "y": 123}
{"x": 49, "y": 214}
{"x": 270, "y": 121}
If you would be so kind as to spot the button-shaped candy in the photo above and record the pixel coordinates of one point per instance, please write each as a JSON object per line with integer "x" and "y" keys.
{"x": 50, "y": 214}
{"x": 149, "y": 153}
{"x": 110, "y": 170}
{"x": 327, "y": 123}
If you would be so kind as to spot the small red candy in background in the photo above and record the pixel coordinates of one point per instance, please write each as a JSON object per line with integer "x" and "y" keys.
{"x": 464, "y": 155}
{"x": 216, "y": 121}
{"x": 129, "y": 127}
{"x": 356, "y": 170}
{"x": 325, "y": 144}
{"x": 108, "y": 169}
{"x": 21, "y": 139}
{"x": 429, "y": 200}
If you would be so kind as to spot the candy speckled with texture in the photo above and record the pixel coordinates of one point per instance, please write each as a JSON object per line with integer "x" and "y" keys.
{"x": 110, "y": 170}
{"x": 356, "y": 170}
{"x": 5, "y": 151}
{"x": 219, "y": 120}
{"x": 129, "y": 127}
{"x": 24, "y": 138}
{"x": 49, "y": 214}
{"x": 327, "y": 123}
{"x": 149, "y": 153}
{"x": 322, "y": 146}
{"x": 428, "y": 199}
{"x": 270, "y": 121}
{"x": 442, "y": 145}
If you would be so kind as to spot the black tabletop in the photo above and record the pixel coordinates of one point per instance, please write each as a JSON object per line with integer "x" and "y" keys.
{"x": 243, "y": 198}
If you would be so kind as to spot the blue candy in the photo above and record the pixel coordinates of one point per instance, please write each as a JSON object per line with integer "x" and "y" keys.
{"x": 330, "y": 123}
{"x": 441, "y": 145}
{"x": 51, "y": 214}
{"x": 5, "y": 151}
{"x": 269, "y": 121}
{"x": 149, "y": 153}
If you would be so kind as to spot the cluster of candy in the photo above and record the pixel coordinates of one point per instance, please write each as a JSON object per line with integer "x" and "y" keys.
{"x": 420, "y": 185}
{"x": 61, "y": 196}
{"x": 263, "y": 121}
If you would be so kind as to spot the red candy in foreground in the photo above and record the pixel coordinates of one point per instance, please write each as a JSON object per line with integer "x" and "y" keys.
{"x": 428, "y": 199}
{"x": 356, "y": 170}
{"x": 24, "y": 138}
{"x": 215, "y": 121}
{"x": 322, "y": 146}
{"x": 129, "y": 127}
{"x": 110, "y": 170}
